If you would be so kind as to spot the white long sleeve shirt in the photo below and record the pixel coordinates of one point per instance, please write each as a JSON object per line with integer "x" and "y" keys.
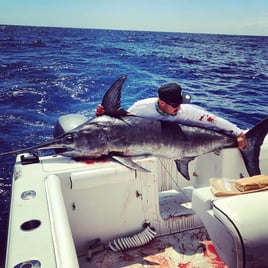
{"x": 188, "y": 113}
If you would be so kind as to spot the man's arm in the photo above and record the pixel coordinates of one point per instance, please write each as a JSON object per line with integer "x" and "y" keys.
{"x": 197, "y": 114}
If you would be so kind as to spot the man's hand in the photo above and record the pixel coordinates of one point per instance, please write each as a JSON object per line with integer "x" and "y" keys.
{"x": 242, "y": 141}
{"x": 100, "y": 110}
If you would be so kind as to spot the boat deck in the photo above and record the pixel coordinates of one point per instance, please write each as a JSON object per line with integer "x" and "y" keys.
{"x": 166, "y": 251}
{"x": 83, "y": 201}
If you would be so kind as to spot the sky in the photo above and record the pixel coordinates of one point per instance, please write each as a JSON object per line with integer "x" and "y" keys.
{"x": 246, "y": 17}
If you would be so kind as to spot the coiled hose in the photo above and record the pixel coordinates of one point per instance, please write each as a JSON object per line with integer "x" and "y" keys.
{"x": 133, "y": 241}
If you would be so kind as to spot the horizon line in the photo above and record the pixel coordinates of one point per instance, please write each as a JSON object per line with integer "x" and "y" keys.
{"x": 132, "y": 30}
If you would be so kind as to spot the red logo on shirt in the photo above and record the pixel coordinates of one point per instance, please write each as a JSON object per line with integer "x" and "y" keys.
{"x": 207, "y": 117}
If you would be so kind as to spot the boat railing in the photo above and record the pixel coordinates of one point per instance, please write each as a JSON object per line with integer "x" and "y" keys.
{"x": 61, "y": 231}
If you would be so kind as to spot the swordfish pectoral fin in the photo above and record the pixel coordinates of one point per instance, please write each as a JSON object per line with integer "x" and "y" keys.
{"x": 183, "y": 166}
{"x": 129, "y": 163}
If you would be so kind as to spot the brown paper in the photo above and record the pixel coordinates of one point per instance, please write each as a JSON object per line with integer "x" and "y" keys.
{"x": 227, "y": 187}
{"x": 252, "y": 183}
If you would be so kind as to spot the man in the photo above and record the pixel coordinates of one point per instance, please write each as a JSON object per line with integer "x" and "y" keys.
{"x": 169, "y": 106}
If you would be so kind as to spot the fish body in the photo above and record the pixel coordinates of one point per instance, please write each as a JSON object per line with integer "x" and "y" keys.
{"x": 130, "y": 136}
{"x": 137, "y": 136}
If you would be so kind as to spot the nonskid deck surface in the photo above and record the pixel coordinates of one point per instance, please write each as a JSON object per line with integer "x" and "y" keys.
{"x": 189, "y": 249}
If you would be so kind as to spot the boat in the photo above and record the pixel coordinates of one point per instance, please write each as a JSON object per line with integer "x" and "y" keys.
{"x": 66, "y": 214}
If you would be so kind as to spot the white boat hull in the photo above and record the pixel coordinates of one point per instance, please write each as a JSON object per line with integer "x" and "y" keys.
{"x": 59, "y": 206}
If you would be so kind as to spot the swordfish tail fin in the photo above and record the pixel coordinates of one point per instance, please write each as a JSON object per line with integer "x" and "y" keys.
{"x": 251, "y": 154}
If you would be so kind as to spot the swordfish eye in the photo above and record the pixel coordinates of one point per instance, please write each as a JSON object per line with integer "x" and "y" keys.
{"x": 69, "y": 139}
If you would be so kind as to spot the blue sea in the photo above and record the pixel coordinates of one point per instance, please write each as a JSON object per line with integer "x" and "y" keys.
{"x": 47, "y": 72}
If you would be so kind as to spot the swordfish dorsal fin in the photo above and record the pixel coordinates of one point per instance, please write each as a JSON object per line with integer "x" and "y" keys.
{"x": 112, "y": 99}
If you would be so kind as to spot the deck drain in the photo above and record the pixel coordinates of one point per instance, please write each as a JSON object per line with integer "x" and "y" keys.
{"x": 29, "y": 264}
{"x": 30, "y": 225}
{"x": 27, "y": 195}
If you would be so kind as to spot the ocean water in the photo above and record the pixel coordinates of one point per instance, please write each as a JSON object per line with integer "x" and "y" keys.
{"x": 48, "y": 72}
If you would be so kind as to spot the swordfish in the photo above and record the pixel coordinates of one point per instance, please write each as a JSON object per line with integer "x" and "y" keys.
{"x": 122, "y": 136}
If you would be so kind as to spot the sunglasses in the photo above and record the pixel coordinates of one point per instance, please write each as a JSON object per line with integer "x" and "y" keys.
{"x": 174, "y": 105}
